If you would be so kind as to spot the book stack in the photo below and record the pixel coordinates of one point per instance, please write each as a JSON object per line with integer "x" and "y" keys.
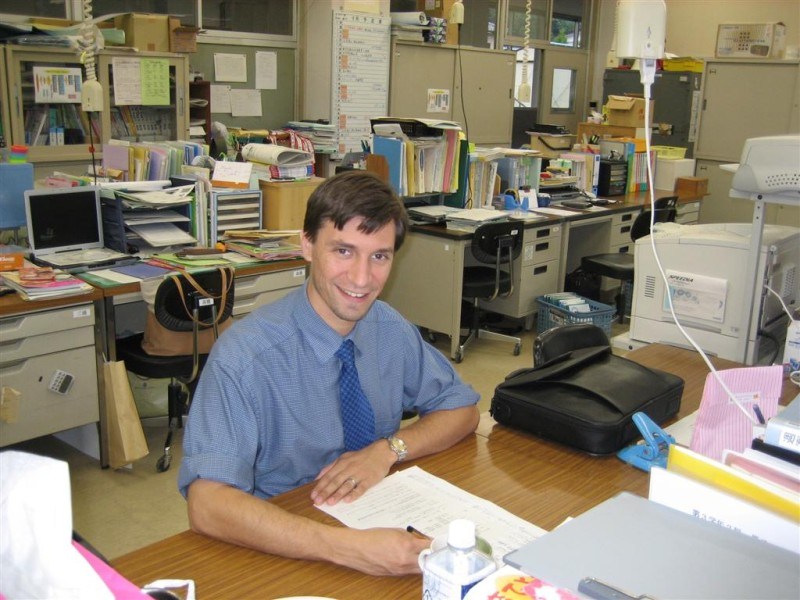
{"x": 586, "y": 168}
{"x": 264, "y": 245}
{"x": 37, "y": 283}
{"x": 750, "y": 492}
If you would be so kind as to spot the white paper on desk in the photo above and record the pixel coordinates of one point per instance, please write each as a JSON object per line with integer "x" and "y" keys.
{"x": 559, "y": 212}
{"x": 114, "y": 276}
{"x": 162, "y": 234}
{"x": 414, "y": 497}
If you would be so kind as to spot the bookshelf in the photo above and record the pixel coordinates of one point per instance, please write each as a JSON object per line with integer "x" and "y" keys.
{"x": 199, "y": 115}
{"x": 159, "y": 109}
{"x": 43, "y": 113}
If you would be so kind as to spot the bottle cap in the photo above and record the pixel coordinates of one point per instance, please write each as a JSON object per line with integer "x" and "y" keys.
{"x": 461, "y": 534}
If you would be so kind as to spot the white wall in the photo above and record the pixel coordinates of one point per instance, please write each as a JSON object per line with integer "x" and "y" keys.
{"x": 692, "y": 27}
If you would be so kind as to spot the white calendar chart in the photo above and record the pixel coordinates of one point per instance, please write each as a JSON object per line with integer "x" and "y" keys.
{"x": 360, "y": 81}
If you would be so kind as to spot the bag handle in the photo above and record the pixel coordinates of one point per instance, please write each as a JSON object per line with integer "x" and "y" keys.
{"x": 227, "y": 281}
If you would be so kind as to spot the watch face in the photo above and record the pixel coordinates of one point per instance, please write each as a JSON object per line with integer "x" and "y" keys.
{"x": 398, "y": 446}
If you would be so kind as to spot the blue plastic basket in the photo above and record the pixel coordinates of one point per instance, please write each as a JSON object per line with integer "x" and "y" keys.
{"x": 551, "y": 315}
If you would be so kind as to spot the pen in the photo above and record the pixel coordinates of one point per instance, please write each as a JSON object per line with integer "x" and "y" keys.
{"x": 414, "y": 531}
{"x": 759, "y": 414}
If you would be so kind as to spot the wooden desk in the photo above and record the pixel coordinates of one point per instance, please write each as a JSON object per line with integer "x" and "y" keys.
{"x": 540, "y": 481}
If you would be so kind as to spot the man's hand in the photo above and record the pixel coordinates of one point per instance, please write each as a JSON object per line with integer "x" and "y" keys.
{"x": 381, "y": 551}
{"x": 353, "y": 473}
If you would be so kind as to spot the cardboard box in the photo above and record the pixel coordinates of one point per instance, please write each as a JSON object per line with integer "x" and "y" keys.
{"x": 12, "y": 258}
{"x": 691, "y": 187}
{"x": 627, "y": 111}
{"x": 751, "y": 40}
{"x": 440, "y": 9}
{"x": 284, "y": 202}
{"x": 668, "y": 170}
{"x": 182, "y": 38}
{"x": 148, "y": 33}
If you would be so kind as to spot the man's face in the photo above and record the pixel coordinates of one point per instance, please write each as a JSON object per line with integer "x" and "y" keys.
{"x": 348, "y": 271}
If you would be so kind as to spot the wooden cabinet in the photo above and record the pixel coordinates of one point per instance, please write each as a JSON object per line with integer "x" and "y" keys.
{"x": 200, "y": 110}
{"x": 44, "y": 104}
{"x": 160, "y": 110}
{"x": 284, "y": 202}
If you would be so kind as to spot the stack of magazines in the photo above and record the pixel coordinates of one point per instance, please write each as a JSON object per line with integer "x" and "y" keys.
{"x": 264, "y": 245}
{"x": 40, "y": 283}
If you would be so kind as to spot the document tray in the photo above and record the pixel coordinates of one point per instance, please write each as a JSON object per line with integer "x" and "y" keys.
{"x": 586, "y": 398}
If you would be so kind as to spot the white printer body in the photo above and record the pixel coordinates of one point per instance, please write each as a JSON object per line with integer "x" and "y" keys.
{"x": 706, "y": 266}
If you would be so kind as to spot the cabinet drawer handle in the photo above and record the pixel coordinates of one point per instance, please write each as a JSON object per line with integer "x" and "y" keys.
{"x": 540, "y": 233}
{"x": 625, "y": 229}
{"x": 540, "y": 270}
{"x": 542, "y": 247}
{"x": 627, "y": 217}
{"x": 623, "y": 250}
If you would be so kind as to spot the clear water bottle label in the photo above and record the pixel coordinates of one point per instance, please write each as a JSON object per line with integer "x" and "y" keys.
{"x": 437, "y": 587}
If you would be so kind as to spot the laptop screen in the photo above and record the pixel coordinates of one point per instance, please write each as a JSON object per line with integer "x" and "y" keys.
{"x": 62, "y": 219}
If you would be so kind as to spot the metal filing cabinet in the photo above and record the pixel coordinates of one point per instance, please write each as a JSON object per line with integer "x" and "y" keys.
{"x": 676, "y": 102}
{"x": 257, "y": 290}
{"x": 535, "y": 273}
{"x": 34, "y": 347}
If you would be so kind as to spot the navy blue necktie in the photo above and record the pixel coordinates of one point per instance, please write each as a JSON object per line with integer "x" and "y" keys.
{"x": 358, "y": 419}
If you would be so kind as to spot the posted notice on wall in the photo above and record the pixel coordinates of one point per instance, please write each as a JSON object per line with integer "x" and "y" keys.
{"x": 141, "y": 81}
{"x": 230, "y": 67}
{"x": 57, "y": 84}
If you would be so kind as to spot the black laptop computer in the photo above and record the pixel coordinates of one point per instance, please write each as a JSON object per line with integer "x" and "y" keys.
{"x": 65, "y": 229}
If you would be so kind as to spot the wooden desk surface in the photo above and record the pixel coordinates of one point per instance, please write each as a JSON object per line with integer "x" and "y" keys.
{"x": 540, "y": 481}
{"x": 13, "y": 304}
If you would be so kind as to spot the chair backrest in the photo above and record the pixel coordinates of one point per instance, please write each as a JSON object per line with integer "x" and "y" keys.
{"x": 210, "y": 293}
{"x": 498, "y": 244}
{"x": 494, "y": 242}
{"x": 665, "y": 213}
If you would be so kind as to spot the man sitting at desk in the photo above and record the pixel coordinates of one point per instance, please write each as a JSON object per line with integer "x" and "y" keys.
{"x": 266, "y": 416}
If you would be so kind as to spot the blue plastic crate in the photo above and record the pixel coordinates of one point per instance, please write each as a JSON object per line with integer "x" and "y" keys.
{"x": 552, "y": 315}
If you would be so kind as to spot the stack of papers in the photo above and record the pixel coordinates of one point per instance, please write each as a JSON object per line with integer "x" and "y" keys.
{"x": 469, "y": 219}
{"x": 62, "y": 285}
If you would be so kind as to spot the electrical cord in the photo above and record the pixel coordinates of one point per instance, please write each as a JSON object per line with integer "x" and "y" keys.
{"x": 647, "y": 67}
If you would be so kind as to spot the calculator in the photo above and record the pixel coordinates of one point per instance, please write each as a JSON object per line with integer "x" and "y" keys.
{"x": 61, "y": 382}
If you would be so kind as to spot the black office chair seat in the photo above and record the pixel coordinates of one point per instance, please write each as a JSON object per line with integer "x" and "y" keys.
{"x": 617, "y": 265}
{"x": 479, "y": 282}
{"x": 137, "y": 361}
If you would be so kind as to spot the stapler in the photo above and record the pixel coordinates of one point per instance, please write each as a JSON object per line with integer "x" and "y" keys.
{"x": 654, "y": 449}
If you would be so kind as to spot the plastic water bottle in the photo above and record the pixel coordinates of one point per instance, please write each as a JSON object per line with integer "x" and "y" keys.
{"x": 449, "y": 573}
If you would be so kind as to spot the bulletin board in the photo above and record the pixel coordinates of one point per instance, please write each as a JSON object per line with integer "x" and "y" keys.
{"x": 360, "y": 81}
{"x": 277, "y": 105}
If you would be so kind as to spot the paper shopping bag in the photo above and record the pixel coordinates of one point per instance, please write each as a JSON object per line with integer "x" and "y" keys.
{"x": 126, "y": 441}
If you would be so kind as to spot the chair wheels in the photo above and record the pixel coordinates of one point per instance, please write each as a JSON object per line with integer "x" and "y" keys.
{"x": 164, "y": 462}
{"x": 517, "y": 349}
{"x": 459, "y": 357}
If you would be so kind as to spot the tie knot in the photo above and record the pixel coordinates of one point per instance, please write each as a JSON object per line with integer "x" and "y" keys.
{"x": 346, "y": 352}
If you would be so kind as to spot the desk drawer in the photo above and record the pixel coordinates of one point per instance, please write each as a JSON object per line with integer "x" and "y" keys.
{"x": 621, "y": 229}
{"x": 535, "y": 280}
{"x": 40, "y": 411}
{"x": 18, "y": 349}
{"x": 267, "y": 282}
{"x": 541, "y": 244}
{"x": 61, "y": 319}
{"x": 244, "y": 306}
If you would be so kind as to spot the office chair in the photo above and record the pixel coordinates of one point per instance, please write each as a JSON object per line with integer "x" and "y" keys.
{"x": 619, "y": 265}
{"x": 496, "y": 244}
{"x": 175, "y": 297}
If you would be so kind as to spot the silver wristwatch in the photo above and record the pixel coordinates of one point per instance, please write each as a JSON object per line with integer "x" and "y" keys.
{"x": 398, "y": 446}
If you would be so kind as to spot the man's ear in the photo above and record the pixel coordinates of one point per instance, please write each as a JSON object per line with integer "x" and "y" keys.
{"x": 307, "y": 245}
